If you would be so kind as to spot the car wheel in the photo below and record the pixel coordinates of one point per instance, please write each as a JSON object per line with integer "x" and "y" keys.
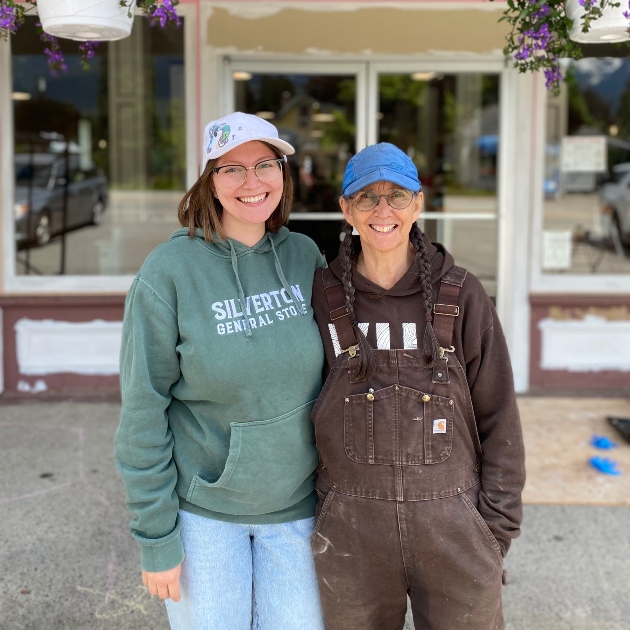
{"x": 97, "y": 212}
{"x": 42, "y": 229}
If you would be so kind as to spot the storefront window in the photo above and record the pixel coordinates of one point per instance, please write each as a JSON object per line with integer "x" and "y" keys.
{"x": 586, "y": 224}
{"x": 99, "y": 155}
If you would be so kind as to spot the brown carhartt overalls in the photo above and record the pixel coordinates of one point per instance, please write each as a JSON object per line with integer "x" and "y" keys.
{"x": 398, "y": 487}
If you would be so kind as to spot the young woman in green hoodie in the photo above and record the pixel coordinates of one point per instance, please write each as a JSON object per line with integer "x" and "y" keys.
{"x": 221, "y": 364}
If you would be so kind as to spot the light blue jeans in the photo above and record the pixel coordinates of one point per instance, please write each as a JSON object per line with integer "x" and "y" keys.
{"x": 237, "y": 577}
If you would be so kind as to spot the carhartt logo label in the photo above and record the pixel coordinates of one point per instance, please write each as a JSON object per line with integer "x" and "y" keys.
{"x": 439, "y": 425}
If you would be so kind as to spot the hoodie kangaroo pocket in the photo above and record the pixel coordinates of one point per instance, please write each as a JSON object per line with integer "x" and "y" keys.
{"x": 270, "y": 467}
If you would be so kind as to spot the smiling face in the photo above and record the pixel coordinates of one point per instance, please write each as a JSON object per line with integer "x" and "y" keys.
{"x": 246, "y": 208}
{"x": 384, "y": 231}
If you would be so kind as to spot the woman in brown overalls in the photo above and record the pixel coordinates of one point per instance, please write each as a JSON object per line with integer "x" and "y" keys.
{"x": 421, "y": 453}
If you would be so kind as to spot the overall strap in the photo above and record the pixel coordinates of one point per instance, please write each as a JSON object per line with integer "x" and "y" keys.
{"x": 339, "y": 313}
{"x": 446, "y": 310}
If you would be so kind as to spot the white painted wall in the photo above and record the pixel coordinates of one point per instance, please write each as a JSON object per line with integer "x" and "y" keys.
{"x": 54, "y": 347}
{"x": 592, "y": 344}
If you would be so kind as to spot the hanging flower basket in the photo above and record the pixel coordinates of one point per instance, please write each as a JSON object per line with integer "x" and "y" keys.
{"x": 610, "y": 26}
{"x": 542, "y": 32}
{"x": 89, "y": 21}
{"x": 86, "y": 19}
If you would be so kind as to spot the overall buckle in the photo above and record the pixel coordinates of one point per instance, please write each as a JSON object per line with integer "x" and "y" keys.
{"x": 452, "y": 310}
{"x": 352, "y": 350}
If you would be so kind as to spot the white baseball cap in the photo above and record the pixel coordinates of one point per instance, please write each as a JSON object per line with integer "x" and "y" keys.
{"x": 224, "y": 134}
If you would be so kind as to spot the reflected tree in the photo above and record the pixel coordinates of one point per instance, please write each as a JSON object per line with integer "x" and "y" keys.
{"x": 586, "y": 108}
{"x": 45, "y": 114}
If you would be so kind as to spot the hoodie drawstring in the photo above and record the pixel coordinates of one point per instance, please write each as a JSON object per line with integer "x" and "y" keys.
{"x": 300, "y": 308}
{"x": 241, "y": 294}
{"x": 285, "y": 285}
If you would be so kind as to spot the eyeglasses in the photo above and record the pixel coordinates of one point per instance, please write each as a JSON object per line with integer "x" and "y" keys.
{"x": 233, "y": 175}
{"x": 398, "y": 199}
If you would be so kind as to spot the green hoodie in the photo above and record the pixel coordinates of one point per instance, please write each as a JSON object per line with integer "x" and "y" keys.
{"x": 221, "y": 362}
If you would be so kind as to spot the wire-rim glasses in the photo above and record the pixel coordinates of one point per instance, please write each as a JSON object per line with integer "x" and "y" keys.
{"x": 367, "y": 200}
{"x": 234, "y": 175}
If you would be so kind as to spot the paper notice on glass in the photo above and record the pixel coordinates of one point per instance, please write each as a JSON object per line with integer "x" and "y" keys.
{"x": 584, "y": 154}
{"x": 557, "y": 249}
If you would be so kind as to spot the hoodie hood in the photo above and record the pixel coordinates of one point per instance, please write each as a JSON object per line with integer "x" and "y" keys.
{"x": 441, "y": 261}
{"x": 224, "y": 247}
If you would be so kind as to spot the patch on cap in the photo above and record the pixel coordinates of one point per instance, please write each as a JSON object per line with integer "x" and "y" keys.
{"x": 223, "y": 132}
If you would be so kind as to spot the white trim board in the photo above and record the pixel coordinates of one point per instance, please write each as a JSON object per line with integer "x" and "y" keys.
{"x": 592, "y": 344}
{"x": 55, "y": 347}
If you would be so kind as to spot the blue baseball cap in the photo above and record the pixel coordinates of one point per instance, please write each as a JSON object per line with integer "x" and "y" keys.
{"x": 381, "y": 162}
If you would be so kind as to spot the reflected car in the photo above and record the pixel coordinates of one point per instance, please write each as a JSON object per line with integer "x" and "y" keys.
{"x": 40, "y": 193}
{"x": 614, "y": 198}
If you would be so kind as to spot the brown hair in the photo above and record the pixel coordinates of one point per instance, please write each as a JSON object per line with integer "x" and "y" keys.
{"x": 350, "y": 249}
{"x": 199, "y": 207}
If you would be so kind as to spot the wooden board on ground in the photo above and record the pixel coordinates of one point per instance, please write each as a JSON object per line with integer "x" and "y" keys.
{"x": 557, "y": 433}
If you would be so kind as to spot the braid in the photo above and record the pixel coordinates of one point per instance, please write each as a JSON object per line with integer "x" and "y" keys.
{"x": 430, "y": 345}
{"x": 366, "y": 356}
{"x": 345, "y": 258}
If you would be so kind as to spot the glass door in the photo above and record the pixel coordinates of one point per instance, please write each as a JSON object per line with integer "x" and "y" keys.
{"x": 448, "y": 124}
{"x": 315, "y": 108}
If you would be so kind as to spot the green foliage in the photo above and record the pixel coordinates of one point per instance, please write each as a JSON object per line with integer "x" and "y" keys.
{"x": 539, "y": 35}
{"x": 401, "y": 88}
{"x": 340, "y": 131}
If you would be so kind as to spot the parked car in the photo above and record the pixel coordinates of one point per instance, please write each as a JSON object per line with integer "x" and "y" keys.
{"x": 40, "y": 183}
{"x": 615, "y": 200}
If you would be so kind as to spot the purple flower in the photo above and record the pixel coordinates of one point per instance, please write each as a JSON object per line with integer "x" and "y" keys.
{"x": 542, "y": 12}
{"x": 539, "y": 38}
{"x": 88, "y": 49}
{"x": 552, "y": 75}
{"x": 8, "y": 18}
{"x": 164, "y": 13}
{"x": 56, "y": 61}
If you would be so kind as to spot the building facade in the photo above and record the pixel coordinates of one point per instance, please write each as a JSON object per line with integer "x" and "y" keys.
{"x": 525, "y": 189}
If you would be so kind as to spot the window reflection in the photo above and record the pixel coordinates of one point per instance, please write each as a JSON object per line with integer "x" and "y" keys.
{"x": 448, "y": 124}
{"x": 587, "y": 163}
{"x": 99, "y": 155}
{"x": 316, "y": 114}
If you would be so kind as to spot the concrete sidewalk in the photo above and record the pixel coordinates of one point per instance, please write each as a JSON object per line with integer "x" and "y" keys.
{"x": 68, "y": 562}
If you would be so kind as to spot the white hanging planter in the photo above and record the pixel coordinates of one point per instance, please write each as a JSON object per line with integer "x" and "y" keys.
{"x": 611, "y": 27}
{"x": 86, "y": 19}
